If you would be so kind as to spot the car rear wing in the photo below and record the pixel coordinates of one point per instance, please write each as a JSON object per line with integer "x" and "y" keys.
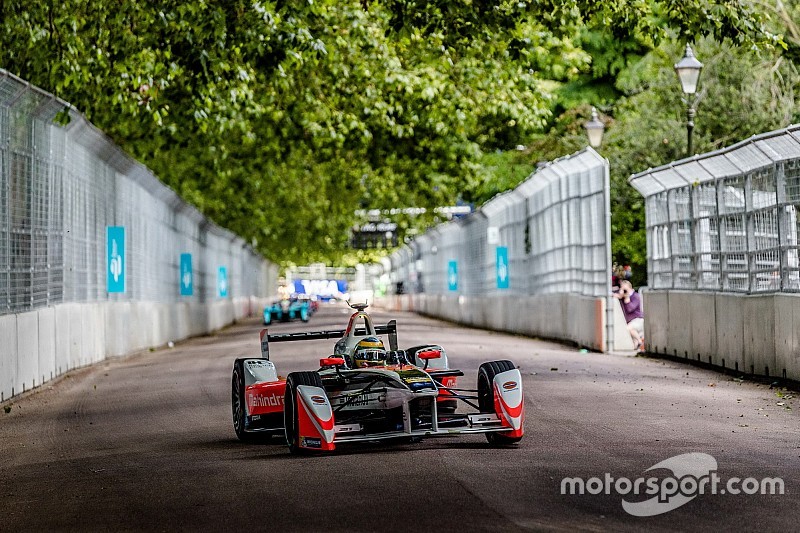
{"x": 388, "y": 329}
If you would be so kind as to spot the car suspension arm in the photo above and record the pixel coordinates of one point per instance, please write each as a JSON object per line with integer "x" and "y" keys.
{"x": 465, "y": 399}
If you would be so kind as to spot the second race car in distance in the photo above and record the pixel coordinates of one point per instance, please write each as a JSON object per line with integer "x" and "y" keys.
{"x": 287, "y": 309}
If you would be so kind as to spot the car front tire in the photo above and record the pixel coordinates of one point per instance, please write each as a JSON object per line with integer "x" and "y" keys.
{"x": 486, "y": 396}
{"x": 290, "y": 420}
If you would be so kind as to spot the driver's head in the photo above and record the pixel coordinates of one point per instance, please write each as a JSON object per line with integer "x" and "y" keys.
{"x": 369, "y": 352}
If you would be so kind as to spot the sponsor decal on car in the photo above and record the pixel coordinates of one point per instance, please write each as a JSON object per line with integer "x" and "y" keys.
{"x": 308, "y": 442}
{"x": 510, "y": 385}
{"x": 319, "y": 400}
{"x": 360, "y": 400}
{"x": 273, "y": 400}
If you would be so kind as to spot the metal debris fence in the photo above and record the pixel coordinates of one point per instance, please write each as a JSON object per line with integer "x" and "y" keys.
{"x": 61, "y": 186}
{"x": 551, "y": 234}
{"x": 728, "y": 220}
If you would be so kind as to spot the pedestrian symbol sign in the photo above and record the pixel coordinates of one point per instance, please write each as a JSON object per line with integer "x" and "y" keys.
{"x": 452, "y": 275}
{"x": 115, "y": 258}
{"x": 186, "y": 277}
{"x": 502, "y": 267}
{"x": 222, "y": 282}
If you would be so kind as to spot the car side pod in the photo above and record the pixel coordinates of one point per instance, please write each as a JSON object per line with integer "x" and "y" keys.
{"x": 509, "y": 403}
{"x": 314, "y": 419}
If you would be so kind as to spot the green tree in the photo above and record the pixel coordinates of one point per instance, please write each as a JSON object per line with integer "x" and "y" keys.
{"x": 280, "y": 119}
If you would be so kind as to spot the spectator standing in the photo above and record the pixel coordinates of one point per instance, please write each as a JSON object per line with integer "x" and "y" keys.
{"x": 631, "y": 302}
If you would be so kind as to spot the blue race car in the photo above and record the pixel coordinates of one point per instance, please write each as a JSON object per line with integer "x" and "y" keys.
{"x": 287, "y": 309}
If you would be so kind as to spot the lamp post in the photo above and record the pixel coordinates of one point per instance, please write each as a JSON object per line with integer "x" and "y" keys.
{"x": 594, "y": 130}
{"x": 688, "y": 70}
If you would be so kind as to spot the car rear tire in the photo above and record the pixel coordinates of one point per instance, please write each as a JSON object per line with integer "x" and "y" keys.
{"x": 486, "y": 394}
{"x": 290, "y": 421}
{"x": 304, "y": 314}
{"x": 238, "y": 405}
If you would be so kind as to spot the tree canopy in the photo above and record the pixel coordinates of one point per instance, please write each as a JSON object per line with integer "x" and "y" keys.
{"x": 280, "y": 119}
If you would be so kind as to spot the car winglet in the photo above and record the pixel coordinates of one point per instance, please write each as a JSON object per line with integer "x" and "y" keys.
{"x": 389, "y": 329}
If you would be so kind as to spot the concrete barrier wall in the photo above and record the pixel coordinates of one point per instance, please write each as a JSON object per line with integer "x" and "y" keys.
{"x": 40, "y": 345}
{"x": 752, "y": 334}
{"x": 566, "y": 317}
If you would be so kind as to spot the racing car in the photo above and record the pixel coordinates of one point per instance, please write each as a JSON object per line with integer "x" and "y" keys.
{"x": 364, "y": 392}
{"x": 287, "y": 309}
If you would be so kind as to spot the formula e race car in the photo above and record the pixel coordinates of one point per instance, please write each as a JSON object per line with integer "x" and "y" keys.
{"x": 287, "y": 309}
{"x": 364, "y": 392}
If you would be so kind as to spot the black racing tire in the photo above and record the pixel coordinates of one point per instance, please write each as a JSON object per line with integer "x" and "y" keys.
{"x": 486, "y": 374}
{"x": 238, "y": 405}
{"x": 290, "y": 423}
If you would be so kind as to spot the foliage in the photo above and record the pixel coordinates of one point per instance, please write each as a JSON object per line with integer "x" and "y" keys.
{"x": 280, "y": 119}
{"x": 501, "y": 171}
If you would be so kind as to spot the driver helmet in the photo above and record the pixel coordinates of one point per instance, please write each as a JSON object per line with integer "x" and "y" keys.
{"x": 369, "y": 352}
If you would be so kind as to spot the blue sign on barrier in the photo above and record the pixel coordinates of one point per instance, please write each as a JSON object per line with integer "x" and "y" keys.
{"x": 452, "y": 275}
{"x": 502, "y": 267}
{"x": 187, "y": 278}
{"x": 222, "y": 282}
{"x": 115, "y": 258}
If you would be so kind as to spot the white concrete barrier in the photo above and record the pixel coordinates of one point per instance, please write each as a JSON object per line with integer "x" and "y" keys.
{"x": 787, "y": 333}
{"x": 680, "y": 324}
{"x": 567, "y": 317}
{"x": 27, "y": 351}
{"x": 752, "y": 334}
{"x": 759, "y": 335}
{"x": 704, "y": 335}
{"x": 38, "y": 346}
{"x": 47, "y": 344}
{"x": 656, "y": 322}
{"x": 729, "y": 327}
{"x": 8, "y": 355}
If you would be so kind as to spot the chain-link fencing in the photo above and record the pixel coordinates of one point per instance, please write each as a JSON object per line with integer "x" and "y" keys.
{"x": 727, "y": 220}
{"x": 549, "y": 236}
{"x": 61, "y": 187}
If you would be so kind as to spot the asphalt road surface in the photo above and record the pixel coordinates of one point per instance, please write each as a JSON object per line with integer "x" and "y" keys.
{"x": 145, "y": 442}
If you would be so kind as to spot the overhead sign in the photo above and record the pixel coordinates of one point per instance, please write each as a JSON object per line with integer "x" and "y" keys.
{"x": 115, "y": 258}
{"x": 186, "y": 279}
{"x": 222, "y": 282}
{"x": 452, "y": 275}
{"x": 502, "y": 267}
{"x": 324, "y": 289}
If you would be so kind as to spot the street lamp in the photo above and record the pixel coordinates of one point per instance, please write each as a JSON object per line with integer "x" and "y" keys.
{"x": 688, "y": 70}
{"x": 594, "y": 130}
